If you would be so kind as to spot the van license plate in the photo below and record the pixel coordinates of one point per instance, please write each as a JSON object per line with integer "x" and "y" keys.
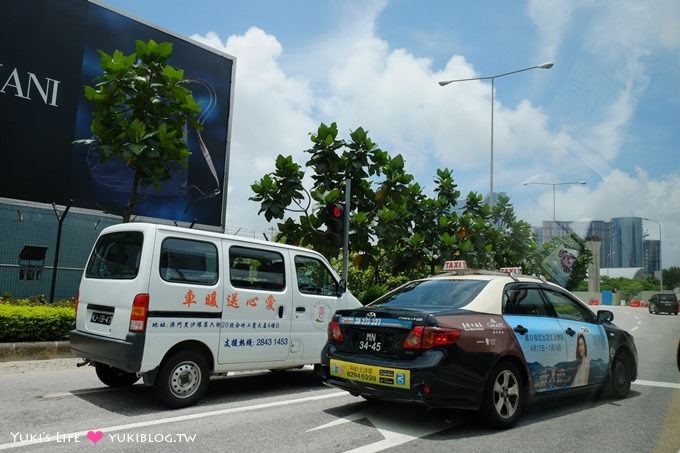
{"x": 101, "y": 318}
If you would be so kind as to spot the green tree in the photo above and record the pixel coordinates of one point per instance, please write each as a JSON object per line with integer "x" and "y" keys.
{"x": 141, "y": 110}
{"x": 671, "y": 277}
{"x": 395, "y": 229}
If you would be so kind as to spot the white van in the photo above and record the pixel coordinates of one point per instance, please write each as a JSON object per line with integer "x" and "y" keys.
{"x": 175, "y": 305}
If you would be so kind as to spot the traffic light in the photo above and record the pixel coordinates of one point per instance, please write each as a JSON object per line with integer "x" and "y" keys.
{"x": 335, "y": 224}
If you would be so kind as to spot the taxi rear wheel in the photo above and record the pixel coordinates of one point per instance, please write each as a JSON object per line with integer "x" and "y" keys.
{"x": 503, "y": 396}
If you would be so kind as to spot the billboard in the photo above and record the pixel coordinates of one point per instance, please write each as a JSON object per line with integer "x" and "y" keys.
{"x": 48, "y": 52}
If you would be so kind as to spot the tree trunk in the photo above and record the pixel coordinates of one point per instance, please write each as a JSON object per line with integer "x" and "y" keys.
{"x": 133, "y": 200}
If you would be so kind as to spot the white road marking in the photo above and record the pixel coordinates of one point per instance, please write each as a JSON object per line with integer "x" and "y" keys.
{"x": 163, "y": 421}
{"x": 81, "y": 392}
{"x": 669, "y": 385}
{"x": 395, "y": 431}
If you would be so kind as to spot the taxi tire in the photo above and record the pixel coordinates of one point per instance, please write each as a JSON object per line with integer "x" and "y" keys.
{"x": 114, "y": 377}
{"x": 619, "y": 379}
{"x": 182, "y": 379}
{"x": 503, "y": 396}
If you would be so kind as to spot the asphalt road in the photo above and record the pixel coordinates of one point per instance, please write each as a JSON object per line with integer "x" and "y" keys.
{"x": 50, "y": 405}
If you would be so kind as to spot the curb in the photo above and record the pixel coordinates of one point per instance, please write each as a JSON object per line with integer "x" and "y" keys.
{"x": 35, "y": 350}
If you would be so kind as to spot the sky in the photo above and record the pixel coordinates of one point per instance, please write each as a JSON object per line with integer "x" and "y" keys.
{"x": 607, "y": 112}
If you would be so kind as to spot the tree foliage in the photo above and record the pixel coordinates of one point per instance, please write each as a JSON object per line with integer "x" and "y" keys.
{"x": 396, "y": 229}
{"x": 671, "y": 277}
{"x": 141, "y": 108}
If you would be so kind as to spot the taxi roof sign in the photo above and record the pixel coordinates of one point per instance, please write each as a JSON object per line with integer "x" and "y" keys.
{"x": 454, "y": 265}
{"x": 511, "y": 270}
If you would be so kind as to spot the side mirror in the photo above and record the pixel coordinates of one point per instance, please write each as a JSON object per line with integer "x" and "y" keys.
{"x": 605, "y": 316}
{"x": 342, "y": 286}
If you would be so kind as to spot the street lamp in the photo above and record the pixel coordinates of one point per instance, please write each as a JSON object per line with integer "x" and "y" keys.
{"x": 660, "y": 267}
{"x": 554, "y": 184}
{"x": 547, "y": 65}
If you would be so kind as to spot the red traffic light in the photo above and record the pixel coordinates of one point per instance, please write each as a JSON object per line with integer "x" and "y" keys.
{"x": 336, "y": 211}
{"x": 335, "y": 224}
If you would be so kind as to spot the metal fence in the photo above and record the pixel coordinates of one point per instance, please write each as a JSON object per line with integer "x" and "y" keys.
{"x": 28, "y": 244}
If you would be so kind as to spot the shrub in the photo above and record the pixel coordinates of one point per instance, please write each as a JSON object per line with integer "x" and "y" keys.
{"x": 31, "y": 320}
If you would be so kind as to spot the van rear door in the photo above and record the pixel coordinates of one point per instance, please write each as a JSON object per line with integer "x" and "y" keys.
{"x": 112, "y": 279}
{"x": 256, "y": 320}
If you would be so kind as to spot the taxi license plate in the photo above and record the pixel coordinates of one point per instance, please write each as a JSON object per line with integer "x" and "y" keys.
{"x": 389, "y": 377}
{"x": 101, "y": 318}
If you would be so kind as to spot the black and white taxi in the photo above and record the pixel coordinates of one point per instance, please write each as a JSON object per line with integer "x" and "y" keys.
{"x": 479, "y": 340}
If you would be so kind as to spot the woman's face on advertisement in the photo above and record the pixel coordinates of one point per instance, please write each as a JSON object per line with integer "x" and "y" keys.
{"x": 581, "y": 347}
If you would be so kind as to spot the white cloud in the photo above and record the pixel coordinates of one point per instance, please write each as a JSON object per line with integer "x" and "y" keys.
{"x": 353, "y": 77}
{"x": 271, "y": 116}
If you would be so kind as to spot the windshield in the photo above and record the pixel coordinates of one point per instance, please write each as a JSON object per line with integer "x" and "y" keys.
{"x": 432, "y": 294}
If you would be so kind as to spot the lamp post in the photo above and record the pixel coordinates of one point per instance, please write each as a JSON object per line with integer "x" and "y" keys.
{"x": 609, "y": 261}
{"x": 554, "y": 184}
{"x": 547, "y": 65}
{"x": 660, "y": 267}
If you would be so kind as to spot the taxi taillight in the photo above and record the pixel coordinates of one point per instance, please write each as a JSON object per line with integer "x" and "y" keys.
{"x": 422, "y": 337}
{"x": 334, "y": 332}
{"x": 139, "y": 312}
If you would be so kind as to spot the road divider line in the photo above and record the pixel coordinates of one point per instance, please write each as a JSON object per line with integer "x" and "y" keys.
{"x": 669, "y": 385}
{"x": 180, "y": 418}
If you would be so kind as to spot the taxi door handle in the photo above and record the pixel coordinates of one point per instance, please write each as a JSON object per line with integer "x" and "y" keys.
{"x": 299, "y": 309}
{"x": 571, "y": 332}
{"x": 520, "y": 329}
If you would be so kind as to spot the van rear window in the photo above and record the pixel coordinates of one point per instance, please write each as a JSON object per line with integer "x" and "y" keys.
{"x": 116, "y": 256}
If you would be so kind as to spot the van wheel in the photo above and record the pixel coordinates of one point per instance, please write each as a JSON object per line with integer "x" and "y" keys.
{"x": 503, "y": 396}
{"x": 182, "y": 379}
{"x": 113, "y": 377}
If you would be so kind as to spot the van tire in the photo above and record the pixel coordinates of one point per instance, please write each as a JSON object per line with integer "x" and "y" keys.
{"x": 182, "y": 379}
{"x": 113, "y": 377}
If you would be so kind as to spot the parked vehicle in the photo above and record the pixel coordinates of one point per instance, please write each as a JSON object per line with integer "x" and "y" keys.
{"x": 175, "y": 305}
{"x": 663, "y": 303}
{"x": 477, "y": 340}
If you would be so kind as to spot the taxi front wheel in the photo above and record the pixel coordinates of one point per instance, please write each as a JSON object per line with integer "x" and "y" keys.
{"x": 619, "y": 380}
{"x": 503, "y": 396}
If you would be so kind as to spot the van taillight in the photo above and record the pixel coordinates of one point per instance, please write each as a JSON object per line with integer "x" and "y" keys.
{"x": 77, "y": 301}
{"x": 140, "y": 309}
{"x": 334, "y": 332}
{"x": 429, "y": 337}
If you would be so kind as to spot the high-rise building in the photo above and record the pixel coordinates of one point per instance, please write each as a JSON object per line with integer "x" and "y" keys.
{"x": 652, "y": 252}
{"x": 627, "y": 242}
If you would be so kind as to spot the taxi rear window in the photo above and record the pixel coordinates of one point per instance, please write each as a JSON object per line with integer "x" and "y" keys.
{"x": 432, "y": 294}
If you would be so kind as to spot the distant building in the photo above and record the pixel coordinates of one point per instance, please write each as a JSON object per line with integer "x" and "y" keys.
{"x": 625, "y": 272}
{"x": 623, "y": 242}
{"x": 627, "y": 242}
